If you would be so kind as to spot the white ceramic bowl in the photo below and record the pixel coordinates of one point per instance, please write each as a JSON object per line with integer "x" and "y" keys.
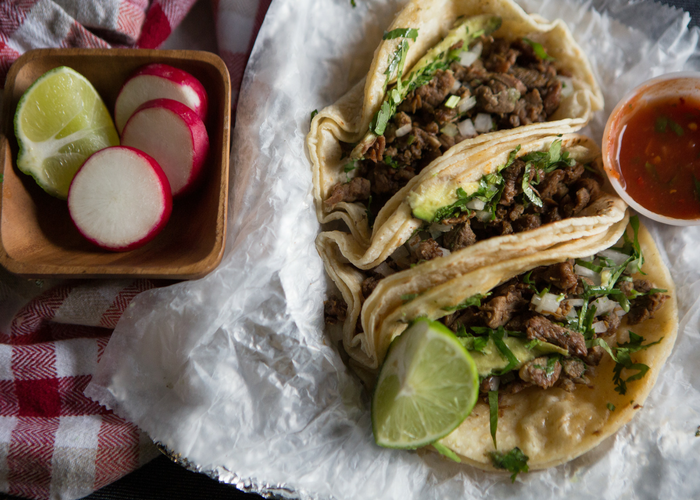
{"x": 685, "y": 84}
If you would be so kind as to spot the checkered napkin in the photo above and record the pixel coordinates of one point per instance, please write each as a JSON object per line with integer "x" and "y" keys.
{"x": 54, "y": 441}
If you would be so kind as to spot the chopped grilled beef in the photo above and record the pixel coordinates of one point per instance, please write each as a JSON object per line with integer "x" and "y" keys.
{"x": 560, "y": 275}
{"x": 594, "y": 356}
{"x": 539, "y": 327}
{"x": 501, "y": 308}
{"x": 489, "y": 384}
{"x": 461, "y": 236}
{"x": 612, "y": 321}
{"x": 357, "y": 189}
{"x": 335, "y": 310}
{"x": 376, "y": 152}
{"x": 535, "y": 371}
{"x": 369, "y": 284}
{"x": 644, "y": 307}
{"x": 573, "y": 367}
{"x": 426, "y": 250}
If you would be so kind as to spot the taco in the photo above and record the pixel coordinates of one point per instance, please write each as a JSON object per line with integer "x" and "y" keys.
{"x": 568, "y": 343}
{"x": 544, "y": 192}
{"x": 449, "y": 76}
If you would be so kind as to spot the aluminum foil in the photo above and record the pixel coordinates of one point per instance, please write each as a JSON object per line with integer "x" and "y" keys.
{"x": 234, "y": 375}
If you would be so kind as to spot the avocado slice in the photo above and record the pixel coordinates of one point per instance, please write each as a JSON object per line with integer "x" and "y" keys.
{"x": 426, "y": 202}
{"x": 490, "y": 361}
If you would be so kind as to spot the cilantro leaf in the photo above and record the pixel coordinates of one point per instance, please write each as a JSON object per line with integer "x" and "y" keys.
{"x": 446, "y": 452}
{"x": 313, "y": 113}
{"x": 514, "y": 461}
{"x": 409, "y": 296}
{"x": 493, "y": 415}
{"x": 610, "y": 406}
{"x": 677, "y": 129}
{"x": 661, "y": 124}
{"x": 411, "y": 33}
{"x": 497, "y": 337}
{"x": 539, "y": 49}
{"x": 391, "y": 162}
{"x": 352, "y": 2}
{"x": 350, "y": 166}
{"x": 527, "y": 188}
{"x": 474, "y": 300}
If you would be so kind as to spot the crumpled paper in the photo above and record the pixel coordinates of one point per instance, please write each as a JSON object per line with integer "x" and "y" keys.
{"x": 233, "y": 373}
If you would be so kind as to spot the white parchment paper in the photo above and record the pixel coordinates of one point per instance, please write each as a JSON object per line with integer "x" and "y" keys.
{"x": 234, "y": 372}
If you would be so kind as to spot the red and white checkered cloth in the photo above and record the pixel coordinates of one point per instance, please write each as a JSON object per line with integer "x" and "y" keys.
{"x": 54, "y": 441}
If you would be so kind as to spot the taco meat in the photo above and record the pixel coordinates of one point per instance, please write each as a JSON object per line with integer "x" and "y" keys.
{"x": 508, "y": 86}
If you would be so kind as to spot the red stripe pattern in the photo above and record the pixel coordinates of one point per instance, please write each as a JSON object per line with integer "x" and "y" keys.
{"x": 54, "y": 441}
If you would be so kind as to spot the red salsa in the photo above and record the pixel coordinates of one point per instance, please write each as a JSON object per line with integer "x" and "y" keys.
{"x": 659, "y": 156}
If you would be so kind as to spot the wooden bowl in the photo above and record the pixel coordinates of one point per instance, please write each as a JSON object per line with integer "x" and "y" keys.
{"x": 37, "y": 237}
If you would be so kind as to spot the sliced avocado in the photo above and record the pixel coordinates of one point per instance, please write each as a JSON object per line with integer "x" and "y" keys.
{"x": 426, "y": 203}
{"x": 491, "y": 361}
{"x": 466, "y": 30}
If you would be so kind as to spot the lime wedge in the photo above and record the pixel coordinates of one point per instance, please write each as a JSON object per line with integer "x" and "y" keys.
{"x": 427, "y": 386}
{"x": 59, "y": 122}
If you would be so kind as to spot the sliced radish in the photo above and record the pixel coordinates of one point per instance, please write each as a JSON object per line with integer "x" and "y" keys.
{"x": 156, "y": 81}
{"x": 120, "y": 198}
{"x": 174, "y": 136}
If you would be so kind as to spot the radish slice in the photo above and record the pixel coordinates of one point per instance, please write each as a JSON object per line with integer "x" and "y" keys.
{"x": 156, "y": 81}
{"x": 120, "y": 199}
{"x": 174, "y": 136}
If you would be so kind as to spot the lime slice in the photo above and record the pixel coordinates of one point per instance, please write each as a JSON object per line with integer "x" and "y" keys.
{"x": 427, "y": 386}
{"x": 60, "y": 121}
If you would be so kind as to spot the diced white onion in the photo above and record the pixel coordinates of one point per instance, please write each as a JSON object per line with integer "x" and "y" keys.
{"x": 571, "y": 314}
{"x": 468, "y": 58}
{"x": 404, "y": 129}
{"x": 588, "y": 273}
{"x": 476, "y": 49}
{"x": 466, "y": 104}
{"x": 590, "y": 258}
{"x": 599, "y": 327}
{"x": 567, "y": 85}
{"x": 483, "y": 123}
{"x": 450, "y": 129}
{"x": 476, "y": 204}
{"x": 604, "y": 305}
{"x": 483, "y": 215}
{"x": 618, "y": 258}
{"x": 547, "y": 303}
{"x": 466, "y": 128}
{"x": 445, "y": 251}
{"x": 414, "y": 242}
{"x": 400, "y": 254}
{"x": 455, "y": 86}
{"x": 438, "y": 229}
{"x": 575, "y": 302}
{"x": 384, "y": 269}
{"x": 620, "y": 312}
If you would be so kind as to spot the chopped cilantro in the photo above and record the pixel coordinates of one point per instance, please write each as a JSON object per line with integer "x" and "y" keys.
{"x": 411, "y": 33}
{"x": 514, "y": 461}
{"x": 350, "y": 166}
{"x": 497, "y": 337}
{"x": 352, "y": 2}
{"x": 493, "y": 415}
{"x": 411, "y": 140}
{"x": 391, "y": 162}
{"x": 313, "y": 113}
{"x": 452, "y": 101}
{"x": 551, "y": 365}
{"x": 651, "y": 169}
{"x": 527, "y": 188}
{"x": 611, "y": 406}
{"x": 446, "y": 452}
{"x": 697, "y": 432}
{"x": 409, "y": 297}
{"x": 539, "y": 49}
{"x": 677, "y": 129}
{"x": 474, "y": 300}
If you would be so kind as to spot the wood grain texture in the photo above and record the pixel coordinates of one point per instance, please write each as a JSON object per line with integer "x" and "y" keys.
{"x": 37, "y": 237}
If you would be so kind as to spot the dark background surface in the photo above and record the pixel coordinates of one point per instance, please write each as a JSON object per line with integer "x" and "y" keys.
{"x": 162, "y": 479}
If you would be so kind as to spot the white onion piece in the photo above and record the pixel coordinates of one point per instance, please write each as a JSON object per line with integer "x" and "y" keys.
{"x": 403, "y": 130}
{"x": 483, "y": 123}
{"x": 384, "y": 269}
{"x": 588, "y": 273}
{"x": 455, "y": 86}
{"x": 620, "y": 312}
{"x": 476, "y": 49}
{"x": 547, "y": 303}
{"x": 445, "y": 251}
{"x": 436, "y": 228}
{"x": 599, "y": 327}
{"x": 618, "y": 258}
{"x": 567, "y": 85}
{"x": 414, "y": 242}
{"x": 483, "y": 215}
{"x": 604, "y": 305}
{"x": 466, "y": 104}
{"x": 575, "y": 302}
{"x": 571, "y": 314}
{"x": 476, "y": 204}
{"x": 468, "y": 58}
{"x": 632, "y": 267}
{"x": 450, "y": 129}
{"x": 466, "y": 128}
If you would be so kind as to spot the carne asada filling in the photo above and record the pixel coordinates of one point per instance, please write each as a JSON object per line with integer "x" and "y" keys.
{"x": 507, "y": 86}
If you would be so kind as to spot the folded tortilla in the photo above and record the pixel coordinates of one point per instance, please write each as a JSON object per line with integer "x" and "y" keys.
{"x": 344, "y": 260}
{"x": 348, "y": 120}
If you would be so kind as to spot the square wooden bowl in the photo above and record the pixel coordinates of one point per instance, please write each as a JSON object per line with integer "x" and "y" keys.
{"x": 37, "y": 237}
